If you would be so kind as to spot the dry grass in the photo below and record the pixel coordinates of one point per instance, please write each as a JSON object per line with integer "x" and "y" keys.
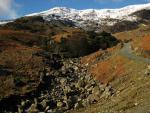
{"x": 93, "y": 56}
{"x": 130, "y": 85}
{"x": 145, "y": 43}
{"x": 108, "y": 70}
{"x": 17, "y": 59}
{"x": 71, "y": 33}
{"x": 127, "y": 78}
{"x": 140, "y": 39}
{"x": 19, "y": 34}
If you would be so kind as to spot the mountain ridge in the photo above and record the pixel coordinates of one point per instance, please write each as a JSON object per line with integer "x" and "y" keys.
{"x": 96, "y": 15}
{"x": 110, "y": 20}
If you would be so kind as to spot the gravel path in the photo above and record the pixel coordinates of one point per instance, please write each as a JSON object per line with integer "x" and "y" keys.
{"x": 128, "y": 52}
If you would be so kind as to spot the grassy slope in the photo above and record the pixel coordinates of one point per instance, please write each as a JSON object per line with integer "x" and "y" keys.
{"x": 130, "y": 84}
{"x": 140, "y": 37}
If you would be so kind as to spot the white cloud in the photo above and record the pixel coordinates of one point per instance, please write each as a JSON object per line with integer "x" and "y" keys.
{"x": 8, "y": 8}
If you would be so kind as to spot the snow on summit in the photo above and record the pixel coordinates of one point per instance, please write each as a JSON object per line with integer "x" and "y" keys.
{"x": 94, "y": 14}
{"x": 100, "y": 16}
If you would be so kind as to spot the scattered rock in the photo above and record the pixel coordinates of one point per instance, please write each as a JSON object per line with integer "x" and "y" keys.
{"x": 63, "y": 81}
{"x": 68, "y": 87}
{"x": 60, "y": 104}
{"x": 78, "y": 105}
{"x": 93, "y": 98}
{"x": 85, "y": 102}
{"x": 23, "y": 103}
{"x": 33, "y": 109}
{"x": 43, "y": 104}
{"x": 46, "y": 109}
{"x": 107, "y": 92}
{"x": 96, "y": 90}
{"x": 20, "y": 110}
{"x": 80, "y": 83}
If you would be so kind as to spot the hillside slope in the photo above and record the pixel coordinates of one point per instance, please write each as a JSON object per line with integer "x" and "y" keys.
{"x": 127, "y": 73}
{"x": 50, "y": 64}
{"x": 40, "y": 66}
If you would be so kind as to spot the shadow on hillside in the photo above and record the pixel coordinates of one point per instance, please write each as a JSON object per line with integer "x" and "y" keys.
{"x": 4, "y": 71}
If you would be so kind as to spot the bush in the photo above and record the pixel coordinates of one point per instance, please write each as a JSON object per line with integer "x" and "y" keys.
{"x": 80, "y": 44}
{"x": 103, "y": 40}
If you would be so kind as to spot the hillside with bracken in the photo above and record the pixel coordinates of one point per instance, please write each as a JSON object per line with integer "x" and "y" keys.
{"x": 49, "y": 64}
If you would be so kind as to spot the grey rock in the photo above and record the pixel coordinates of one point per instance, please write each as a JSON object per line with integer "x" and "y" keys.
{"x": 68, "y": 103}
{"x": 60, "y": 104}
{"x": 96, "y": 90}
{"x": 70, "y": 87}
{"x": 147, "y": 72}
{"x": 23, "y": 103}
{"x": 20, "y": 110}
{"x": 85, "y": 102}
{"x": 107, "y": 92}
{"x": 67, "y": 89}
{"x": 75, "y": 68}
{"x": 63, "y": 81}
{"x": 90, "y": 89}
{"x": 44, "y": 104}
{"x": 93, "y": 98}
{"x": 46, "y": 109}
{"x": 78, "y": 105}
{"x": 47, "y": 74}
{"x": 33, "y": 109}
{"x": 80, "y": 83}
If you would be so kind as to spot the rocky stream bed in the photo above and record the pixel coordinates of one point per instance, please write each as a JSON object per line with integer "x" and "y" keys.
{"x": 68, "y": 87}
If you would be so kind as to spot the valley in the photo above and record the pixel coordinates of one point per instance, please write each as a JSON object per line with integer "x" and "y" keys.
{"x": 65, "y": 61}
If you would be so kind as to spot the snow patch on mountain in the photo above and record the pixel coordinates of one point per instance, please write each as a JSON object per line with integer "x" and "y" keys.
{"x": 99, "y": 16}
{"x": 4, "y": 22}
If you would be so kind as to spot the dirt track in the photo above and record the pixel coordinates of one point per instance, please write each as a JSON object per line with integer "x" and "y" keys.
{"x": 127, "y": 52}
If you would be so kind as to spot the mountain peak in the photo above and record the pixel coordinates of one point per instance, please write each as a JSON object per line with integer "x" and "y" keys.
{"x": 129, "y": 9}
{"x": 101, "y": 17}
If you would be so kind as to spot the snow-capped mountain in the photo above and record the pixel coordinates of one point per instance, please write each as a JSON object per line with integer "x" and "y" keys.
{"x": 110, "y": 20}
{"x": 5, "y": 22}
{"x": 107, "y": 17}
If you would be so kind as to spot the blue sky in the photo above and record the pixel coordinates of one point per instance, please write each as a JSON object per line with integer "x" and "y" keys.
{"x": 17, "y": 8}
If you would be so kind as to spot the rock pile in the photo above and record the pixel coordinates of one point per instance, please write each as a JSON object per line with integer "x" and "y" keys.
{"x": 69, "y": 87}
